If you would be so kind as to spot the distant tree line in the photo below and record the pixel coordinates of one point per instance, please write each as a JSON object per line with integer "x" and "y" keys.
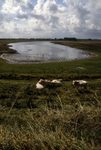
{"x": 70, "y": 39}
{"x": 50, "y": 39}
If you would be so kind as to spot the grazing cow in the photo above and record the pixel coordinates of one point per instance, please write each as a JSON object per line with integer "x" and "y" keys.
{"x": 44, "y": 82}
{"x": 41, "y": 83}
{"x": 39, "y": 86}
{"x": 56, "y": 82}
{"x": 47, "y": 82}
{"x": 78, "y": 83}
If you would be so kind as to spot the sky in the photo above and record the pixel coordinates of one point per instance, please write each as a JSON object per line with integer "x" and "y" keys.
{"x": 50, "y": 18}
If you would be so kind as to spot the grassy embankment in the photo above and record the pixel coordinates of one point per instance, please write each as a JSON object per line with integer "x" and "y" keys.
{"x": 62, "y": 118}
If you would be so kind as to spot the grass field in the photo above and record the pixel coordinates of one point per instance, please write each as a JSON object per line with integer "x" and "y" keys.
{"x": 61, "y": 118}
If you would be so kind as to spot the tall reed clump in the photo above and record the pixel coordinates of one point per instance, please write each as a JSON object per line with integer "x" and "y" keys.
{"x": 69, "y": 128}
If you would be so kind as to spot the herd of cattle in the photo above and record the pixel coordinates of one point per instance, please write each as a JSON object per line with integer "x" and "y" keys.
{"x": 57, "y": 82}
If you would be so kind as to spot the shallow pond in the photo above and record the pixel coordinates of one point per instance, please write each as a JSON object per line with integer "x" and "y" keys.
{"x": 39, "y": 52}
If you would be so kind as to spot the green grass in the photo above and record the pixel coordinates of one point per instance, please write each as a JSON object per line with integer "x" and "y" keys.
{"x": 61, "y": 118}
{"x": 53, "y": 118}
{"x": 66, "y": 69}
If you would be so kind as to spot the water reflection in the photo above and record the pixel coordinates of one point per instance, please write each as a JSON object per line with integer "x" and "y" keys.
{"x": 35, "y": 52}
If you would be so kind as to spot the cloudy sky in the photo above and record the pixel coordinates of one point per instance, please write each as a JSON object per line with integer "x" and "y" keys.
{"x": 50, "y": 18}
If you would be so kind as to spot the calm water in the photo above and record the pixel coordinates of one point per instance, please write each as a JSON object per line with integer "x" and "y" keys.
{"x": 38, "y": 52}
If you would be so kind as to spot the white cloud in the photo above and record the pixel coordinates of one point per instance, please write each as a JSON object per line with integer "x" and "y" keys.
{"x": 9, "y": 8}
{"x": 13, "y": 6}
{"x": 22, "y": 15}
{"x": 49, "y": 18}
{"x": 36, "y": 16}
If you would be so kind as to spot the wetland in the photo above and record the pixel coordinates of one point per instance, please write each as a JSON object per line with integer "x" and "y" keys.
{"x": 42, "y": 52}
{"x": 55, "y": 118}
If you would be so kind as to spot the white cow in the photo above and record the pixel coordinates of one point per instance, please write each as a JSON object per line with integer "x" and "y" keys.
{"x": 41, "y": 83}
{"x": 78, "y": 83}
{"x": 56, "y": 82}
{"x": 44, "y": 82}
{"x": 39, "y": 86}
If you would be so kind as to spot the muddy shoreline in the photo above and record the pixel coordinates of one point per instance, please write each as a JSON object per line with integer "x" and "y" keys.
{"x": 8, "y": 58}
{"x": 14, "y": 57}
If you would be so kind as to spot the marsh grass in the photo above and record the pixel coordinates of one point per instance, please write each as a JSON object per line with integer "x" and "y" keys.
{"x": 47, "y": 128}
{"x": 56, "y": 70}
{"x": 29, "y": 95}
{"x": 62, "y": 118}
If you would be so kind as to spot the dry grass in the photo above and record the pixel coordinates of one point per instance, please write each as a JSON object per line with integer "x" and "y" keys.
{"x": 73, "y": 127}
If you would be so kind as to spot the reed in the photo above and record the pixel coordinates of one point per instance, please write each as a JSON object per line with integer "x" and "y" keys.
{"x": 47, "y": 128}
